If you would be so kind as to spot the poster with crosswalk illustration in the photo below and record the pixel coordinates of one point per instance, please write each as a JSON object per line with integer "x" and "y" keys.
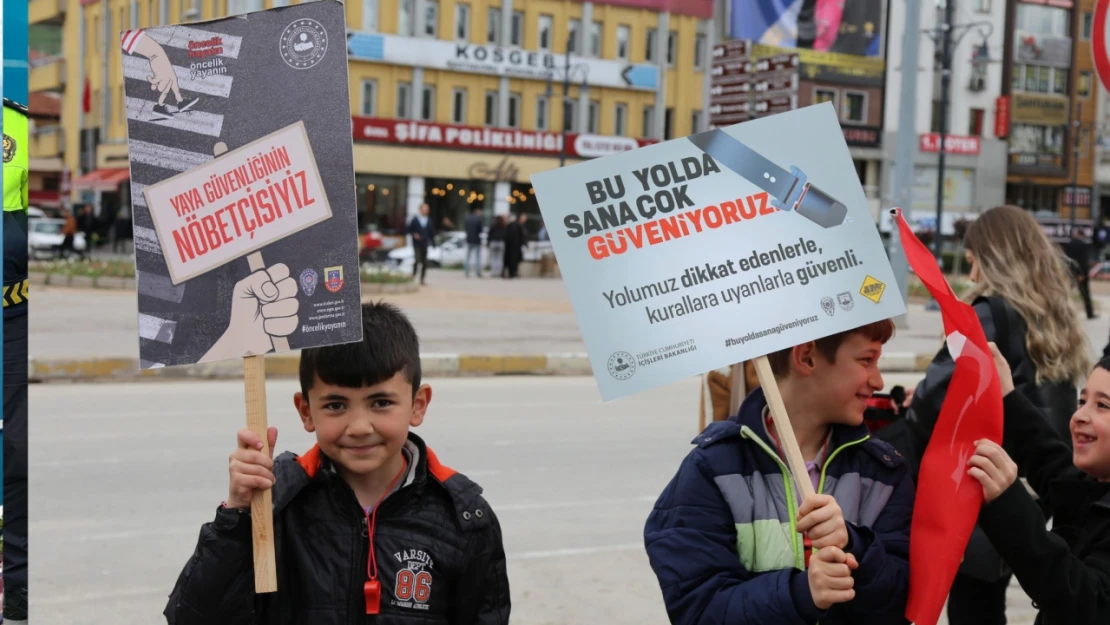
{"x": 242, "y": 185}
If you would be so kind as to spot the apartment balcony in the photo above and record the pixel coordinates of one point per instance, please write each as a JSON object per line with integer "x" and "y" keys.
{"x": 47, "y": 74}
{"x": 47, "y": 142}
{"x": 46, "y": 12}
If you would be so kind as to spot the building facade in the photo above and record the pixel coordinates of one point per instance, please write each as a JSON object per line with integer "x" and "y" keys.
{"x": 1049, "y": 81}
{"x": 47, "y": 86}
{"x": 455, "y": 104}
{"x": 975, "y": 150}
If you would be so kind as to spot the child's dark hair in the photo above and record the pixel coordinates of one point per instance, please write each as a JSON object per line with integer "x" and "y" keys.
{"x": 1103, "y": 364}
{"x": 388, "y": 345}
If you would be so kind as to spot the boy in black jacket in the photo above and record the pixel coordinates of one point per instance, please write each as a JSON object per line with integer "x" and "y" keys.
{"x": 368, "y": 522}
{"x": 1065, "y": 571}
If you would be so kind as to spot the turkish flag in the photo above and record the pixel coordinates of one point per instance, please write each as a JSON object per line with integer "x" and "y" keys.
{"x": 86, "y": 100}
{"x": 948, "y": 499}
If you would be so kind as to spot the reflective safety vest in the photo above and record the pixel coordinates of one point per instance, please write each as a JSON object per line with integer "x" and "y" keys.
{"x": 16, "y": 201}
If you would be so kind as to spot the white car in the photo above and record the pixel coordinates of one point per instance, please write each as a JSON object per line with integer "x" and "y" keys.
{"x": 449, "y": 251}
{"x": 44, "y": 238}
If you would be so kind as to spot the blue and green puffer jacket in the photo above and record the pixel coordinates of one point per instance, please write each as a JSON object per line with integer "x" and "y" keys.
{"x": 722, "y": 539}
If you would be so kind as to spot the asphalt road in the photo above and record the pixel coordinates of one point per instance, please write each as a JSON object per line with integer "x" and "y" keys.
{"x": 124, "y": 475}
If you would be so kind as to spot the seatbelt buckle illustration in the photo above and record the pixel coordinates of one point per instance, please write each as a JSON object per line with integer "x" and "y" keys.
{"x": 789, "y": 190}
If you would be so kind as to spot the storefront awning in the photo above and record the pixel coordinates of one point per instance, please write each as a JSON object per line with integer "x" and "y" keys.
{"x": 45, "y": 198}
{"x": 102, "y": 180}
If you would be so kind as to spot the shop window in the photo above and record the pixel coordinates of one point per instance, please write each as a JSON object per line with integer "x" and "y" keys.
{"x": 462, "y": 21}
{"x": 855, "y": 107}
{"x": 1088, "y": 22}
{"x": 820, "y": 96}
{"x": 491, "y": 108}
{"x": 975, "y": 122}
{"x": 516, "y": 36}
{"x": 649, "y": 45}
{"x": 572, "y": 35}
{"x": 982, "y": 6}
{"x": 451, "y": 200}
{"x": 620, "y": 119}
{"x": 458, "y": 105}
{"x": 935, "y": 116}
{"x": 369, "y": 106}
{"x": 695, "y": 121}
{"x": 668, "y": 124}
{"x": 514, "y": 110}
{"x": 672, "y": 47}
{"x": 493, "y": 26}
{"x": 1017, "y": 78}
{"x": 593, "y": 117}
{"x": 369, "y": 15}
{"x": 381, "y": 204}
{"x": 1043, "y": 20}
{"x": 238, "y": 7}
{"x": 542, "y": 104}
{"x": 431, "y": 18}
{"x": 404, "y": 97}
{"x": 648, "y": 126}
{"x": 624, "y": 37}
{"x": 699, "y": 51}
{"x": 545, "y": 32}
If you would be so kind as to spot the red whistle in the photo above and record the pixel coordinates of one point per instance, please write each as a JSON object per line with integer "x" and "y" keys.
{"x": 373, "y": 591}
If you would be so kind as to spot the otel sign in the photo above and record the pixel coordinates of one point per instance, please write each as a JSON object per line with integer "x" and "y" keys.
{"x": 1099, "y": 42}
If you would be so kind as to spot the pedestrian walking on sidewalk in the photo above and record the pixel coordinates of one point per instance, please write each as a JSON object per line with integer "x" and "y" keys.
{"x": 1020, "y": 294}
{"x": 515, "y": 240}
{"x": 473, "y": 227}
{"x": 423, "y": 235}
{"x": 496, "y": 242}
{"x": 87, "y": 223}
{"x": 1079, "y": 253}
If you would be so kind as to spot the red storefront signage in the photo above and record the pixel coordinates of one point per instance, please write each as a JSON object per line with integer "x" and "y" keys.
{"x": 506, "y": 140}
{"x": 953, "y": 144}
{"x": 1002, "y": 117}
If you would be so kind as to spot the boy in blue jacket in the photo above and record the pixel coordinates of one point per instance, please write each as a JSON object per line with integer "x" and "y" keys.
{"x": 726, "y": 536}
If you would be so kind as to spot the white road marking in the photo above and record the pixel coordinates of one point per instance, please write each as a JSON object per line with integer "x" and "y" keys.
{"x": 198, "y": 122}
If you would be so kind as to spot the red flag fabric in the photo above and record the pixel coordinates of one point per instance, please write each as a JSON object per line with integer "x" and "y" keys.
{"x": 948, "y": 499}
{"x": 86, "y": 100}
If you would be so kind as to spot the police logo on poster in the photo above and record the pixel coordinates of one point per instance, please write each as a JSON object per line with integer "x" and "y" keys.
{"x": 309, "y": 280}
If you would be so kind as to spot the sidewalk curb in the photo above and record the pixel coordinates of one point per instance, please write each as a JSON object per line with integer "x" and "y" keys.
{"x": 286, "y": 366}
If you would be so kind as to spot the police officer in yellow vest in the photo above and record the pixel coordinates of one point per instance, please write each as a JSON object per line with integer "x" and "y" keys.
{"x": 15, "y": 361}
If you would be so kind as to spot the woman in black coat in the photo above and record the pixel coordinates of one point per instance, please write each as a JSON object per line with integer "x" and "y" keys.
{"x": 1021, "y": 296}
{"x": 515, "y": 240}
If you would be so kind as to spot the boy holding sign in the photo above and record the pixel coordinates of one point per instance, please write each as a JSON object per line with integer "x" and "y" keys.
{"x": 368, "y": 521}
{"x": 726, "y": 536}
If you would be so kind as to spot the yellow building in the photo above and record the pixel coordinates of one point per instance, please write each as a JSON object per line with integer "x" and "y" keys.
{"x": 454, "y": 103}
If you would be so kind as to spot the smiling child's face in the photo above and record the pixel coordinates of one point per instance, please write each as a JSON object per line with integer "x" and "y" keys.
{"x": 1090, "y": 427}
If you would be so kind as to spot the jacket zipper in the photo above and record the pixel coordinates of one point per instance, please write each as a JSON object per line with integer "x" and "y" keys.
{"x": 746, "y": 432}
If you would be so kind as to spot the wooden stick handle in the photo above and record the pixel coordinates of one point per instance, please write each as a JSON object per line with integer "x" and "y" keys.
{"x": 262, "y": 510}
{"x": 738, "y": 389}
{"x": 782, "y": 427}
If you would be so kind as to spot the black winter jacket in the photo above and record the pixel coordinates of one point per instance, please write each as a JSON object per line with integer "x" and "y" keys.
{"x": 1057, "y": 401}
{"x": 1066, "y": 571}
{"x": 437, "y": 552}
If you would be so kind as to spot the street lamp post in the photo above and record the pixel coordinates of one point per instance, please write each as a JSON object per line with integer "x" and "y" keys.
{"x": 945, "y": 86}
{"x": 567, "y": 71}
{"x": 1075, "y": 124}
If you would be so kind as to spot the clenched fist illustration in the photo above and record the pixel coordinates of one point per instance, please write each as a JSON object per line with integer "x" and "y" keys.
{"x": 264, "y": 305}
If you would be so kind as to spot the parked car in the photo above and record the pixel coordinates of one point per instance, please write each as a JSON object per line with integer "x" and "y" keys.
{"x": 449, "y": 251}
{"x": 44, "y": 238}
